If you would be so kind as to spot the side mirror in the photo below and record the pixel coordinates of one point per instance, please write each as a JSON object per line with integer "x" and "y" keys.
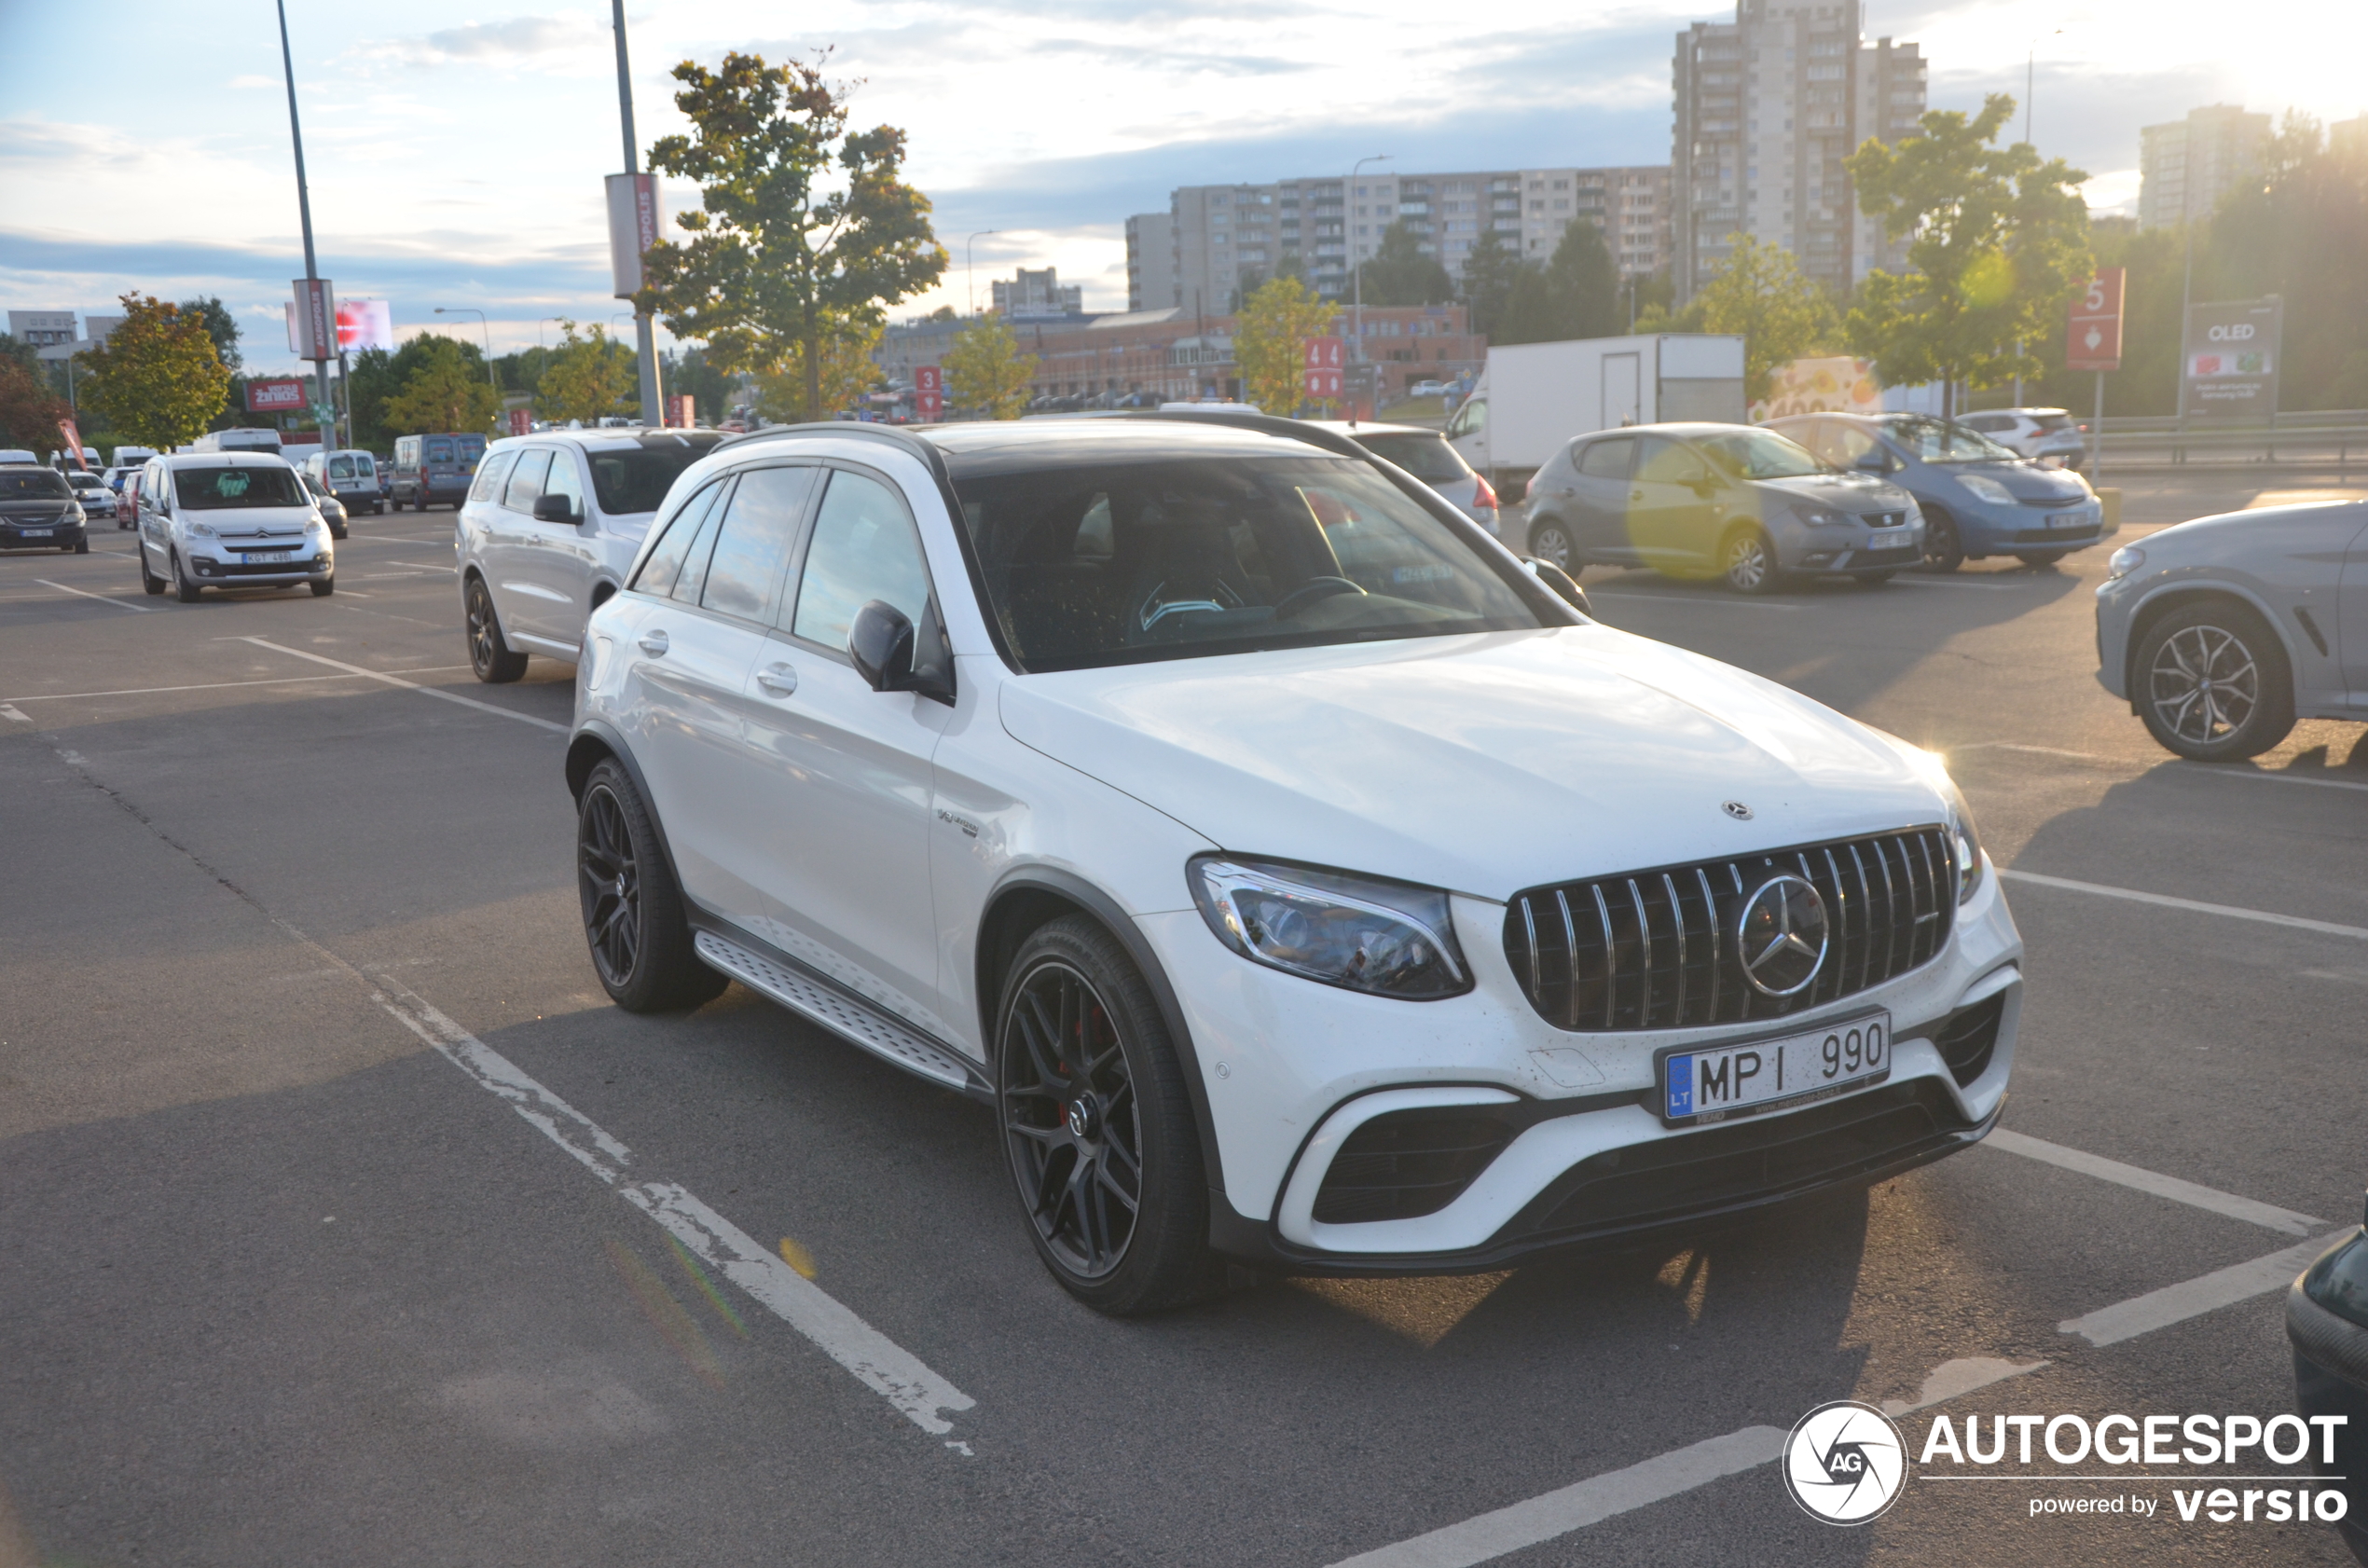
{"x": 1563, "y": 584}
{"x": 1872, "y": 462}
{"x": 882, "y": 641}
{"x": 555, "y": 509}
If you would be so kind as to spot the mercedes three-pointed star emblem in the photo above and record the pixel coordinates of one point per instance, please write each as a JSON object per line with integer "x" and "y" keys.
{"x": 1781, "y": 936}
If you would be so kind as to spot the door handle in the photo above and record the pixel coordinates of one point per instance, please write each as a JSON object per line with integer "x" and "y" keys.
{"x": 779, "y": 680}
{"x": 655, "y": 643}
{"x": 1636, "y": 495}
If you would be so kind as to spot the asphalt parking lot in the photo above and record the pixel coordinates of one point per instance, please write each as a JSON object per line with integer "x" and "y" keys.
{"x": 345, "y": 1219}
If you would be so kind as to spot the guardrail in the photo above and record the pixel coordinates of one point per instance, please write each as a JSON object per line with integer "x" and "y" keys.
{"x": 2320, "y": 439}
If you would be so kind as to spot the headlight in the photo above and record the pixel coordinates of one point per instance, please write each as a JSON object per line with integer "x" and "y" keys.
{"x": 1822, "y": 516}
{"x": 1986, "y": 489}
{"x": 312, "y": 525}
{"x": 1964, "y": 844}
{"x": 202, "y": 530}
{"x": 1385, "y": 938}
{"x": 2127, "y": 559}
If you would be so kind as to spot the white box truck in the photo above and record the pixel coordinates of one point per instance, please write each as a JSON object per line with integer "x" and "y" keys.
{"x": 1534, "y": 397}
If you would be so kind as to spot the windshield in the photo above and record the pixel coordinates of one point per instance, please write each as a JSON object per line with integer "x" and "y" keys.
{"x": 1941, "y": 441}
{"x": 33, "y": 484}
{"x": 214, "y": 489}
{"x": 1760, "y": 454}
{"x": 637, "y": 479}
{"x": 1428, "y": 457}
{"x": 1115, "y": 564}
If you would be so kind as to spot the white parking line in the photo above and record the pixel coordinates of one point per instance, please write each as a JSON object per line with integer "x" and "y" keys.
{"x": 406, "y": 685}
{"x": 2207, "y": 1293}
{"x": 12, "y": 715}
{"x": 2278, "y": 778}
{"x": 2188, "y": 1192}
{"x": 2327, "y": 928}
{"x": 209, "y": 686}
{"x": 135, "y": 609}
{"x": 1687, "y": 599}
{"x": 919, "y": 1394}
{"x": 423, "y": 566}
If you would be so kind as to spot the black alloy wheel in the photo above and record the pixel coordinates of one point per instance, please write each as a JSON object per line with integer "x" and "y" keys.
{"x": 493, "y": 659}
{"x": 1550, "y": 540}
{"x": 2212, "y": 683}
{"x": 1944, "y": 548}
{"x": 633, "y": 916}
{"x": 1100, "y": 1136}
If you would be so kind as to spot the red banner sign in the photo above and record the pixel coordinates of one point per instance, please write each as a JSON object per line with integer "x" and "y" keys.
{"x": 2092, "y": 338}
{"x": 73, "y": 441}
{"x": 682, "y": 411}
{"x": 521, "y": 421}
{"x": 929, "y": 390}
{"x": 1327, "y": 362}
{"x": 274, "y": 395}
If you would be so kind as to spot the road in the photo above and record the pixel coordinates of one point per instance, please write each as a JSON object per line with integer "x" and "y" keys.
{"x": 299, "y": 1039}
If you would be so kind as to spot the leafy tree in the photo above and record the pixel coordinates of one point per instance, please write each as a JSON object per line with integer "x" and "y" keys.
{"x": 1576, "y": 293}
{"x": 986, "y": 372}
{"x": 220, "y": 325}
{"x": 27, "y": 356}
{"x": 1490, "y": 272}
{"x": 2000, "y": 245}
{"x": 847, "y": 374}
{"x": 805, "y": 231}
{"x": 1270, "y": 342}
{"x": 1759, "y": 292}
{"x": 585, "y": 378}
{"x": 157, "y": 380}
{"x": 689, "y": 373}
{"x": 1400, "y": 274}
{"x": 443, "y": 392}
{"x": 28, "y": 410}
{"x": 376, "y": 376}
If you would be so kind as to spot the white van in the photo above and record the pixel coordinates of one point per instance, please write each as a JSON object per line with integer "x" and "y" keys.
{"x": 350, "y": 475}
{"x": 131, "y": 457}
{"x": 236, "y": 441}
{"x": 230, "y": 520}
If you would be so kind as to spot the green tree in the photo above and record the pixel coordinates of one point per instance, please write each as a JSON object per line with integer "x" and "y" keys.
{"x": 803, "y": 230}
{"x": 220, "y": 325}
{"x": 443, "y": 392}
{"x": 847, "y": 374}
{"x": 986, "y": 372}
{"x": 585, "y": 378}
{"x": 157, "y": 380}
{"x": 1490, "y": 272}
{"x": 1269, "y": 343}
{"x": 1576, "y": 293}
{"x": 689, "y": 373}
{"x": 1400, "y": 274}
{"x": 1998, "y": 238}
{"x": 1758, "y": 293}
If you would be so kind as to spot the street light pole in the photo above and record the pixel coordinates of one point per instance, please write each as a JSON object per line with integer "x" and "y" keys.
{"x": 970, "y": 269}
{"x": 2031, "y": 68}
{"x": 304, "y": 215}
{"x": 1357, "y": 307}
{"x": 646, "y": 340}
{"x": 491, "y": 379}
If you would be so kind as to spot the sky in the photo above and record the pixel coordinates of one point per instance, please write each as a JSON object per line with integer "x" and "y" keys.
{"x": 454, "y": 151}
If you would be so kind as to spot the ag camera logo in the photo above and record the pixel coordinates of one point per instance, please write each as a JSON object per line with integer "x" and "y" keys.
{"x": 1844, "y": 1463}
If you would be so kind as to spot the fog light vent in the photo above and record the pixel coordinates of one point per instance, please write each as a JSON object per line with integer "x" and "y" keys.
{"x": 1406, "y": 1163}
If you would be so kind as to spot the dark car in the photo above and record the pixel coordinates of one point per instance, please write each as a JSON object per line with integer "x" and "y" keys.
{"x": 332, "y": 510}
{"x": 1696, "y": 500}
{"x": 38, "y": 512}
{"x": 2327, "y": 1321}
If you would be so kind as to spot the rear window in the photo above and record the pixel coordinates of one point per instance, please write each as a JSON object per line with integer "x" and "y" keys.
{"x": 32, "y": 484}
{"x": 2047, "y": 423}
{"x": 439, "y": 450}
{"x": 635, "y": 479}
{"x": 1428, "y": 457}
{"x": 214, "y": 489}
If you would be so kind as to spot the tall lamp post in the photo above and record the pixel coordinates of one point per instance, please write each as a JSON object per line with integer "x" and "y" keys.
{"x": 1356, "y": 263}
{"x": 970, "y": 266}
{"x": 491, "y": 379}
{"x": 304, "y": 215}
{"x": 646, "y": 340}
{"x": 2030, "y": 77}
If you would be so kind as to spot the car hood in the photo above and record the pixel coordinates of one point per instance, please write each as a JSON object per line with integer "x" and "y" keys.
{"x": 1480, "y": 763}
{"x": 1851, "y": 492}
{"x": 2317, "y": 532}
{"x": 2024, "y": 481}
{"x": 251, "y": 519}
{"x": 34, "y": 507}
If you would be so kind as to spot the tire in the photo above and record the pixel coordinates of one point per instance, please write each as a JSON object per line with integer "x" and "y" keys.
{"x": 495, "y": 662}
{"x": 325, "y": 586}
{"x": 1097, "y": 1127}
{"x": 1875, "y": 579}
{"x": 633, "y": 917}
{"x": 396, "y": 504}
{"x": 2212, "y": 682}
{"x": 1944, "y": 548}
{"x": 149, "y": 581}
{"x": 183, "y": 589}
{"x": 1549, "y": 540}
{"x": 1747, "y": 561}
{"x": 2039, "y": 557}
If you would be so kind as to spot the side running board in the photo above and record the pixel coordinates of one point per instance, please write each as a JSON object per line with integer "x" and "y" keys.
{"x": 845, "y": 1016}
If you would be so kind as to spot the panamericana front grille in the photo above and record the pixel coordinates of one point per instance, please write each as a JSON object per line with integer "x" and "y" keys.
{"x": 1658, "y": 949}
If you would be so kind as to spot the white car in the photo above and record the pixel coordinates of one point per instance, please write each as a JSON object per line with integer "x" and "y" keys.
{"x": 2036, "y": 434}
{"x": 1424, "y": 453}
{"x": 231, "y": 519}
{"x": 549, "y": 527}
{"x": 91, "y": 489}
{"x": 1299, "y": 878}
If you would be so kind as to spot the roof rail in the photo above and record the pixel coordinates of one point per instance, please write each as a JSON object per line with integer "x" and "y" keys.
{"x": 912, "y": 445}
{"x": 1269, "y": 424}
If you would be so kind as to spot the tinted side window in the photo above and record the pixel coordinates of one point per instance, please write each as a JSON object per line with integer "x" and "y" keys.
{"x": 526, "y": 480}
{"x": 666, "y": 557}
{"x": 1607, "y": 459}
{"x": 865, "y": 547}
{"x": 1844, "y": 444}
{"x": 489, "y": 477}
{"x": 752, "y": 545}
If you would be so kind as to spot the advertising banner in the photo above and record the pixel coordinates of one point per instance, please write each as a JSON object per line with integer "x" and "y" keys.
{"x": 682, "y": 411}
{"x": 312, "y": 331}
{"x": 2092, "y": 340}
{"x": 521, "y": 421}
{"x": 1836, "y": 384}
{"x": 929, "y": 390}
{"x": 636, "y": 223}
{"x": 278, "y": 394}
{"x": 364, "y": 324}
{"x": 2231, "y": 359}
{"x": 74, "y": 440}
{"x": 1326, "y": 365}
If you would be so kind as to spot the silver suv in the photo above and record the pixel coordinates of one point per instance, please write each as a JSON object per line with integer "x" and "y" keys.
{"x": 549, "y": 527}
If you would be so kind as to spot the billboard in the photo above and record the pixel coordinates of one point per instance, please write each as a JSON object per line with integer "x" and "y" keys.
{"x": 364, "y": 324}
{"x": 278, "y": 394}
{"x": 635, "y": 224}
{"x": 2092, "y": 337}
{"x": 312, "y": 319}
{"x": 2230, "y": 363}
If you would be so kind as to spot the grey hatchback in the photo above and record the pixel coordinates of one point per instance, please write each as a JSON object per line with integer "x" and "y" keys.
{"x": 1747, "y": 505}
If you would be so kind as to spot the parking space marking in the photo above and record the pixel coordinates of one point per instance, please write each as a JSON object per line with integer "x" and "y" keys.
{"x": 1687, "y": 598}
{"x": 2278, "y": 778}
{"x": 423, "y": 566}
{"x": 80, "y": 593}
{"x": 12, "y": 715}
{"x": 2195, "y": 1196}
{"x": 406, "y": 685}
{"x": 2194, "y": 1298}
{"x": 920, "y": 1395}
{"x": 2327, "y": 928}
{"x": 209, "y": 686}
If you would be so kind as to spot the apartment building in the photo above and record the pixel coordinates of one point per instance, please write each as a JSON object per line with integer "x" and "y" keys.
{"x": 1036, "y": 293}
{"x": 1221, "y": 237}
{"x": 1767, "y": 106}
{"x": 2185, "y": 167}
{"x": 1150, "y": 262}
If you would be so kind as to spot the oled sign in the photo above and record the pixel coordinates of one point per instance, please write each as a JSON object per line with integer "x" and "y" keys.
{"x": 2231, "y": 361}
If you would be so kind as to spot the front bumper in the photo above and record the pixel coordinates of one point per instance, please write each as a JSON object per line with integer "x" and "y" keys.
{"x": 39, "y": 536}
{"x": 1989, "y": 529}
{"x": 1855, "y": 549}
{"x": 227, "y": 570}
{"x": 1292, "y": 1069}
{"x": 2330, "y": 1378}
